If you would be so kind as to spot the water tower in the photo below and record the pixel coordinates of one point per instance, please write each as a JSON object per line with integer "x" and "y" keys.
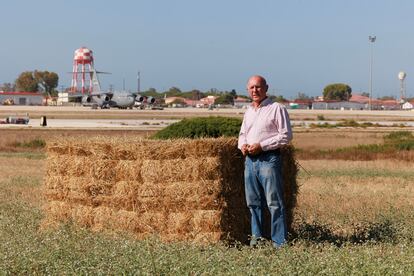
{"x": 82, "y": 66}
{"x": 401, "y": 77}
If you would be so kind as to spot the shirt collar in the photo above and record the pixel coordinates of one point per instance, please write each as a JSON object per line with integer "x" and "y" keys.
{"x": 265, "y": 102}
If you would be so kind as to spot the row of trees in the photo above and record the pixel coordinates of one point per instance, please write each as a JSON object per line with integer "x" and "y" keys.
{"x": 224, "y": 97}
{"x": 336, "y": 91}
{"x": 47, "y": 82}
{"x": 34, "y": 81}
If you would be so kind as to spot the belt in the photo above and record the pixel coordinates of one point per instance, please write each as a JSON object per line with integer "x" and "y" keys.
{"x": 275, "y": 151}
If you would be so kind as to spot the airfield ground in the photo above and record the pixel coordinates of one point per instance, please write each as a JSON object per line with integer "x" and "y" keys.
{"x": 79, "y": 112}
{"x": 353, "y": 216}
{"x": 62, "y": 120}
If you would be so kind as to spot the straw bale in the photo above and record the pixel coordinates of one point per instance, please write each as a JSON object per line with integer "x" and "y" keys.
{"x": 129, "y": 148}
{"x": 128, "y": 170}
{"x": 290, "y": 184}
{"x": 111, "y": 170}
{"x": 83, "y": 215}
{"x": 138, "y": 196}
{"x": 189, "y": 190}
{"x": 57, "y": 211}
{"x": 195, "y": 225}
{"x": 189, "y": 169}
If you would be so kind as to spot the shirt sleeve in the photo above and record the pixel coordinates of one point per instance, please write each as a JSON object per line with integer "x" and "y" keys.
{"x": 283, "y": 134}
{"x": 242, "y": 134}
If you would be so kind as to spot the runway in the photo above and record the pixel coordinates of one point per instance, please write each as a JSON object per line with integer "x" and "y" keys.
{"x": 78, "y": 117}
{"x": 149, "y": 124}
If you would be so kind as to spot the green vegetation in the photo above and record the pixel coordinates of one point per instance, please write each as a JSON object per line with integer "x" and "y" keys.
{"x": 225, "y": 97}
{"x": 362, "y": 173}
{"x": 376, "y": 242}
{"x": 32, "y": 144}
{"x": 380, "y": 247}
{"x": 401, "y": 140}
{"x": 201, "y": 127}
{"x": 337, "y": 91}
{"x": 320, "y": 117}
{"x": 394, "y": 144}
{"x": 349, "y": 123}
{"x": 38, "y": 81}
{"x": 27, "y": 155}
{"x": 344, "y": 123}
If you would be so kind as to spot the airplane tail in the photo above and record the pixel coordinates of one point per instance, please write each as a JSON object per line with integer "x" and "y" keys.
{"x": 96, "y": 86}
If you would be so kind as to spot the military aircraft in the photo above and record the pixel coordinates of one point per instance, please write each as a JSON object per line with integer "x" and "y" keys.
{"x": 101, "y": 99}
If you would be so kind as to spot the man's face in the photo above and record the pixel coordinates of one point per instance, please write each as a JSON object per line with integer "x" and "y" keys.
{"x": 257, "y": 89}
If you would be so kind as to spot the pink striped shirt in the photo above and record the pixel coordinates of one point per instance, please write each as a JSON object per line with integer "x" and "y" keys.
{"x": 268, "y": 125}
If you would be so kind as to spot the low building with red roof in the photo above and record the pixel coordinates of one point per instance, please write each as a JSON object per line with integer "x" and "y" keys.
{"x": 21, "y": 98}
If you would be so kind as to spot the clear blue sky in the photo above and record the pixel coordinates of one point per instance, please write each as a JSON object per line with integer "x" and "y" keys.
{"x": 298, "y": 45}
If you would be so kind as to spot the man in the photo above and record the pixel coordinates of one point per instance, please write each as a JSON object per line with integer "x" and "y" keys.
{"x": 265, "y": 129}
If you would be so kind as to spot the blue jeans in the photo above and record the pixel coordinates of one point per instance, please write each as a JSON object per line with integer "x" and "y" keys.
{"x": 264, "y": 187}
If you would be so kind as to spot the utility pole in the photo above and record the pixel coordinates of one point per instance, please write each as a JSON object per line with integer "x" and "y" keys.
{"x": 371, "y": 40}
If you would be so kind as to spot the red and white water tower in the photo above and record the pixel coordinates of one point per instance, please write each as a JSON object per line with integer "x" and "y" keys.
{"x": 81, "y": 73}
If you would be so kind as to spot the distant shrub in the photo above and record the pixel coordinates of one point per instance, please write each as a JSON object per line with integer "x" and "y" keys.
{"x": 33, "y": 144}
{"x": 405, "y": 145}
{"x": 399, "y": 136}
{"x": 324, "y": 125}
{"x": 343, "y": 123}
{"x": 401, "y": 140}
{"x": 320, "y": 118}
{"x": 201, "y": 127}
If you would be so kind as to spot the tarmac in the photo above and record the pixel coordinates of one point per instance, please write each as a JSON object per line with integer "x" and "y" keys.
{"x": 78, "y": 117}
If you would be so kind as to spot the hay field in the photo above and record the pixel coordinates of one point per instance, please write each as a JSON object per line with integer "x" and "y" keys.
{"x": 353, "y": 217}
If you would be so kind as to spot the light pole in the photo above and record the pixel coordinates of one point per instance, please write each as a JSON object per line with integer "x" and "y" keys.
{"x": 371, "y": 40}
{"x": 139, "y": 82}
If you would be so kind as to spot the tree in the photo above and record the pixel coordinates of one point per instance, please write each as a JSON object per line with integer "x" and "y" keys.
{"x": 337, "y": 91}
{"x": 8, "y": 87}
{"x": 225, "y": 99}
{"x": 385, "y": 98}
{"x": 196, "y": 94}
{"x": 27, "y": 82}
{"x": 279, "y": 99}
{"x": 303, "y": 96}
{"x": 173, "y": 92}
{"x": 365, "y": 94}
{"x": 38, "y": 81}
{"x": 47, "y": 81}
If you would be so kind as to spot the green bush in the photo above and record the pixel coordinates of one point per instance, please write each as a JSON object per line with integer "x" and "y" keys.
{"x": 201, "y": 127}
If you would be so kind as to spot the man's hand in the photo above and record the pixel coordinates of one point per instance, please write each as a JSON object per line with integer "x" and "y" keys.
{"x": 245, "y": 149}
{"x": 255, "y": 149}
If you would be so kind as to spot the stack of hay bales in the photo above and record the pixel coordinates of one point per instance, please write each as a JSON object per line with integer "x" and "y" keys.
{"x": 179, "y": 190}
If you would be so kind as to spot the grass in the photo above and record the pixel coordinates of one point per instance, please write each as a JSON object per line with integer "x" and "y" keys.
{"x": 69, "y": 250}
{"x": 397, "y": 145}
{"x": 360, "y": 173}
{"x": 352, "y": 218}
{"x": 28, "y": 155}
{"x": 36, "y": 143}
{"x": 347, "y": 123}
{"x": 34, "y": 140}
